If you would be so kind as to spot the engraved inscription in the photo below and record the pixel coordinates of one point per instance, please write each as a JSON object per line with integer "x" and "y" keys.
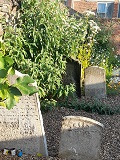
{"x": 22, "y": 126}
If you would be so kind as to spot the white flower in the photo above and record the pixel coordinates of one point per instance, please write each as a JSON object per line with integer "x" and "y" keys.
{"x": 88, "y": 13}
{"x": 96, "y": 28}
{"x": 92, "y": 23}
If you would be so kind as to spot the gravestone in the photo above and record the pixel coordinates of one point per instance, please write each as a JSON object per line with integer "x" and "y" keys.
{"x": 115, "y": 76}
{"x": 22, "y": 126}
{"x": 95, "y": 82}
{"x": 80, "y": 138}
{"x": 72, "y": 75}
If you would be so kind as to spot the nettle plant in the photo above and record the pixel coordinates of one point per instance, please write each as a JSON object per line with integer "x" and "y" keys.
{"x": 9, "y": 94}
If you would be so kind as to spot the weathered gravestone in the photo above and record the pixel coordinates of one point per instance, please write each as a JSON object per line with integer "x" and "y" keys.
{"x": 22, "y": 126}
{"x": 95, "y": 82}
{"x": 73, "y": 74}
{"x": 80, "y": 138}
{"x": 115, "y": 76}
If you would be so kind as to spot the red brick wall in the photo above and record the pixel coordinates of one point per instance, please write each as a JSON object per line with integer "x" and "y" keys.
{"x": 115, "y": 11}
{"x": 69, "y": 3}
{"x": 116, "y": 34}
{"x": 82, "y": 6}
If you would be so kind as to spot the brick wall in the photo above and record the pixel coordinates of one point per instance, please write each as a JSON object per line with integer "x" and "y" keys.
{"x": 81, "y": 6}
{"x": 115, "y": 11}
{"x": 116, "y": 34}
{"x": 69, "y": 3}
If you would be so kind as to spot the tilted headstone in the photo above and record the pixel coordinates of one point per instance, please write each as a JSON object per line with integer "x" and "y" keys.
{"x": 72, "y": 75}
{"x": 22, "y": 127}
{"x": 95, "y": 82}
{"x": 80, "y": 138}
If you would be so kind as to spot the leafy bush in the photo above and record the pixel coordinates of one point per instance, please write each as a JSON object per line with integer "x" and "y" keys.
{"x": 10, "y": 93}
{"x": 40, "y": 45}
{"x": 103, "y": 51}
{"x": 44, "y": 38}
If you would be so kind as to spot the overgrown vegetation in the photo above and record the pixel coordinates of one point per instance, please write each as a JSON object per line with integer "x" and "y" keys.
{"x": 44, "y": 37}
{"x": 43, "y": 41}
{"x": 93, "y": 105}
{"x": 103, "y": 51}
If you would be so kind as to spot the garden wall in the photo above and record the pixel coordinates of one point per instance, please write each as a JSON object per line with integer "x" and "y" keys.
{"x": 7, "y": 8}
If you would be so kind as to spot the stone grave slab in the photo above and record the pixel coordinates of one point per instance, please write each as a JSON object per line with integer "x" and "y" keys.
{"x": 73, "y": 75}
{"x": 80, "y": 138}
{"x": 115, "y": 76}
{"x": 22, "y": 127}
{"x": 95, "y": 82}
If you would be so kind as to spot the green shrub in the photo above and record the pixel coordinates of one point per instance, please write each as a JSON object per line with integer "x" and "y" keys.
{"x": 40, "y": 45}
{"x": 44, "y": 37}
{"x": 92, "y": 106}
{"x": 103, "y": 51}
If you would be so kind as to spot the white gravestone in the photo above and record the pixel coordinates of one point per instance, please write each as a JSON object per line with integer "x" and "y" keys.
{"x": 22, "y": 126}
{"x": 80, "y": 138}
{"x": 95, "y": 82}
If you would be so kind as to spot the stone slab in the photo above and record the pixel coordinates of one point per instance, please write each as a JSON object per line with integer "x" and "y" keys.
{"x": 73, "y": 75}
{"x": 22, "y": 127}
{"x": 80, "y": 138}
{"x": 95, "y": 82}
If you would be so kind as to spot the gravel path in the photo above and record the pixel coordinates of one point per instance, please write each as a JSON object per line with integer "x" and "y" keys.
{"x": 110, "y": 147}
